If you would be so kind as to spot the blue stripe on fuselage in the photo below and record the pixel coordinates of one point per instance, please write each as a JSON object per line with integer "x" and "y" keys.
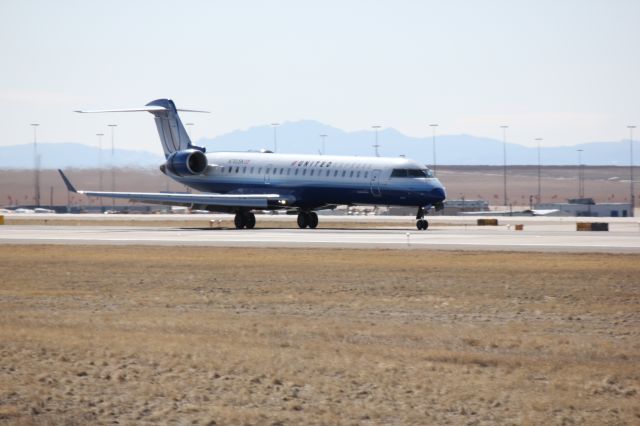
{"x": 312, "y": 193}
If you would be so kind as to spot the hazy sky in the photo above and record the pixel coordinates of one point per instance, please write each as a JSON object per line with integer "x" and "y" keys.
{"x": 564, "y": 70}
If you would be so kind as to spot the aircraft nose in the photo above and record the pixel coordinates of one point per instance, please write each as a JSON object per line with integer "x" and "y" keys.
{"x": 438, "y": 193}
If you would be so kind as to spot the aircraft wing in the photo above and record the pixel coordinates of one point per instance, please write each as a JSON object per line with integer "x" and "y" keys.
{"x": 511, "y": 213}
{"x": 252, "y": 201}
{"x": 543, "y": 212}
{"x": 499, "y": 213}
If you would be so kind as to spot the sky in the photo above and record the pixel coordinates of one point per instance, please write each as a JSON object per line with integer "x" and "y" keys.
{"x": 567, "y": 71}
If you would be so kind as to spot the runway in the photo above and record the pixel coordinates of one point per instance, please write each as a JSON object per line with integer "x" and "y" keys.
{"x": 559, "y": 238}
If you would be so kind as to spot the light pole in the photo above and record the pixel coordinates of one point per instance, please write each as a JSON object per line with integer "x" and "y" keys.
{"x": 189, "y": 126}
{"x": 189, "y": 129}
{"x": 323, "y": 138}
{"x": 538, "y": 140}
{"x": 375, "y": 145}
{"x": 504, "y": 157}
{"x": 275, "y": 136}
{"x": 113, "y": 162}
{"x": 633, "y": 195}
{"x": 434, "y": 126}
{"x": 36, "y": 166}
{"x": 580, "y": 175}
{"x": 100, "y": 135}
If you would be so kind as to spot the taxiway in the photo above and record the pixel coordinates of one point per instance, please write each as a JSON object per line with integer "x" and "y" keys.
{"x": 541, "y": 237}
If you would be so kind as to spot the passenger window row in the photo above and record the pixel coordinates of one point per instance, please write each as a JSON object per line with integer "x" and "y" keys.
{"x": 281, "y": 171}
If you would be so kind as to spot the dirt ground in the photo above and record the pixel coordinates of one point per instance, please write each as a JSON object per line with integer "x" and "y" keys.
{"x": 97, "y": 335}
{"x": 603, "y": 183}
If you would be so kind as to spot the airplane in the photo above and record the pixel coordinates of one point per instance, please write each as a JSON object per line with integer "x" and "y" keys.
{"x": 244, "y": 182}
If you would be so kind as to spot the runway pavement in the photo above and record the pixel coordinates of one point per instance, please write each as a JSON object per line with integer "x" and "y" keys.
{"x": 538, "y": 237}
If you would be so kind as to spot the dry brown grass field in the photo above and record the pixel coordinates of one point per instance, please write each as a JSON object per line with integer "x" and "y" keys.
{"x": 98, "y": 335}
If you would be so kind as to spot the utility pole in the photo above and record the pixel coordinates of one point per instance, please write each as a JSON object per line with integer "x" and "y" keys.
{"x": 36, "y": 166}
{"x": 323, "y": 146}
{"x": 113, "y": 163}
{"x": 632, "y": 198}
{"x": 580, "y": 175}
{"x": 375, "y": 145}
{"x": 433, "y": 126}
{"x": 504, "y": 158}
{"x": 189, "y": 126}
{"x": 275, "y": 136}
{"x": 539, "y": 172}
{"x": 100, "y": 135}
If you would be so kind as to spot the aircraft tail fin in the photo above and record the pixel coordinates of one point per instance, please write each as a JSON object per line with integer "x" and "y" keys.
{"x": 172, "y": 133}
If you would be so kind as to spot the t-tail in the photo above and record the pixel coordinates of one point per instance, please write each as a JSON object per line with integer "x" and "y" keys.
{"x": 173, "y": 135}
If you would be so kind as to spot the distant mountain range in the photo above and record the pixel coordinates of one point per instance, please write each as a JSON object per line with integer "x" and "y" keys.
{"x": 64, "y": 155}
{"x": 303, "y": 137}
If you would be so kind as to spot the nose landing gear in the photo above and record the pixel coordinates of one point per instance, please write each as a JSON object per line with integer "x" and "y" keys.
{"x": 421, "y": 223}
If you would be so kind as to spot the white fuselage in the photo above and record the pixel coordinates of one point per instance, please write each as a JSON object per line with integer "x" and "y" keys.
{"x": 312, "y": 181}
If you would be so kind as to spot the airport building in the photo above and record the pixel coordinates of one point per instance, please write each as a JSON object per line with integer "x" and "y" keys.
{"x": 451, "y": 208}
{"x": 586, "y": 207}
{"x": 455, "y": 207}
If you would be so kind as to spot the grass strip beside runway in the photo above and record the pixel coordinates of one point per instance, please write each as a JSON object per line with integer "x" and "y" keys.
{"x": 306, "y": 336}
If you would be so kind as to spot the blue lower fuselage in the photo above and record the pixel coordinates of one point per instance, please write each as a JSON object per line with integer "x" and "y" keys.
{"x": 313, "y": 194}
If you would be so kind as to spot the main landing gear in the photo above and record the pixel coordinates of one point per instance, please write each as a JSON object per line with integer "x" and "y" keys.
{"x": 244, "y": 220}
{"x": 307, "y": 220}
{"x": 421, "y": 223}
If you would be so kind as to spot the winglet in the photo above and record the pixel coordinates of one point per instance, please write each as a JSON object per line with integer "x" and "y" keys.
{"x": 67, "y": 182}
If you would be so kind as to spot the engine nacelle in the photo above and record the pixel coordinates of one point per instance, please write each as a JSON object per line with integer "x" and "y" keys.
{"x": 187, "y": 163}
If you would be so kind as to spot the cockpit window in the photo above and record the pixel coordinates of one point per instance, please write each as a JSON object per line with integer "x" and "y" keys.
{"x": 411, "y": 173}
{"x": 416, "y": 173}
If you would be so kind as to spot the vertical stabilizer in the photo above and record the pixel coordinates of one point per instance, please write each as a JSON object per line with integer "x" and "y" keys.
{"x": 172, "y": 133}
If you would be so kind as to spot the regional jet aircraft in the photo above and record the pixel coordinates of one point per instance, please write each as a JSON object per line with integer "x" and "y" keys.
{"x": 244, "y": 182}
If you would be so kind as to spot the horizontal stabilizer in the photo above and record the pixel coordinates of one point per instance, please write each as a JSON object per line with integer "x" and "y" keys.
{"x": 150, "y": 108}
{"x": 172, "y": 133}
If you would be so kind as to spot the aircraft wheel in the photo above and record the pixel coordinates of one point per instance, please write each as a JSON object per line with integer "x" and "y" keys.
{"x": 303, "y": 220}
{"x": 422, "y": 224}
{"x": 313, "y": 220}
{"x": 239, "y": 221}
{"x": 250, "y": 220}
